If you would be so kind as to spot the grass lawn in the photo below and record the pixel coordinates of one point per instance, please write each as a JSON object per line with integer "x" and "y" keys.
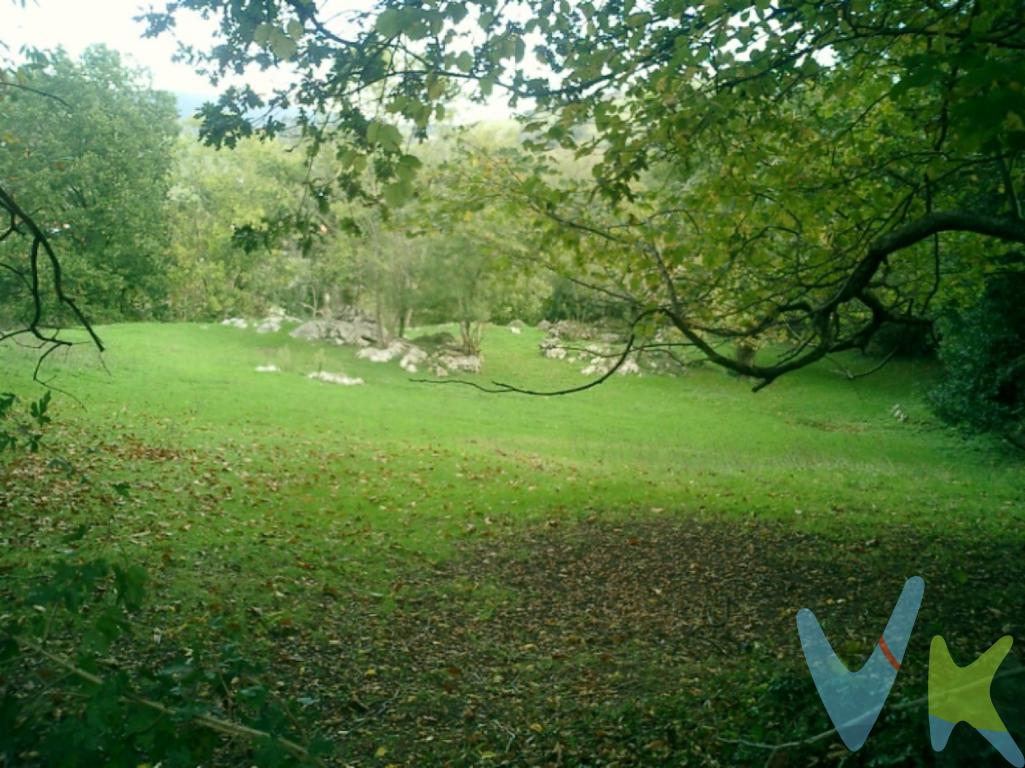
{"x": 449, "y": 577}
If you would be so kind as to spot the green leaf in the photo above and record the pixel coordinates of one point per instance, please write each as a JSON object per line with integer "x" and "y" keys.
{"x": 282, "y": 45}
{"x": 407, "y": 167}
{"x": 131, "y": 585}
{"x": 435, "y": 87}
{"x": 396, "y": 194}
{"x": 261, "y": 35}
{"x": 464, "y": 61}
{"x": 392, "y": 22}
{"x": 457, "y": 12}
{"x": 385, "y": 134}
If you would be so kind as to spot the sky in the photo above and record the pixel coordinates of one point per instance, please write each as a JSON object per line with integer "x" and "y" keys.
{"x": 76, "y": 24}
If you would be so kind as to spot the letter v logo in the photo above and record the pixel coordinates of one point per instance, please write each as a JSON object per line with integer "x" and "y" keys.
{"x": 855, "y": 699}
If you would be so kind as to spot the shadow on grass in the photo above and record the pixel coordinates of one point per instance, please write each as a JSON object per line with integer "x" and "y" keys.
{"x": 663, "y": 643}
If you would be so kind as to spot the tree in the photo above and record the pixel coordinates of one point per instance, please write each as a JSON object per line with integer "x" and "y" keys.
{"x": 848, "y": 156}
{"x": 475, "y": 266}
{"x": 90, "y": 162}
{"x": 222, "y": 261}
{"x": 37, "y": 254}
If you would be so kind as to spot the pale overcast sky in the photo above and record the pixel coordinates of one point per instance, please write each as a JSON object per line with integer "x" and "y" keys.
{"x": 76, "y": 24}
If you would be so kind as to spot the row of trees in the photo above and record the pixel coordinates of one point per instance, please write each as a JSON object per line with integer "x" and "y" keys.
{"x": 796, "y": 176}
{"x": 150, "y": 223}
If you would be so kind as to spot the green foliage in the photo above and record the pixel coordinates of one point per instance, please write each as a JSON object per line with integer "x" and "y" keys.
{"x": 907, "y": 341}
{"x": 15, "y": 429}
{"x": 85, "y": 148}
{"x": 225, "y": 257}
{"x": 753, "y": 170}
{"x": 80, "y": 709}
{"x": 983, "y": 355}
{"x": 570, "y": 301}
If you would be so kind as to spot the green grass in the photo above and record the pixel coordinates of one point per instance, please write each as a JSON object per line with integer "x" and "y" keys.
{"x": 369, "y": 477}
{"x": 812, "y": 442}
{"x": 261, "y": 496}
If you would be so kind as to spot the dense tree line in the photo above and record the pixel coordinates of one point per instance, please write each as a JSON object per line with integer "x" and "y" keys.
{"x": 150, "y": 224}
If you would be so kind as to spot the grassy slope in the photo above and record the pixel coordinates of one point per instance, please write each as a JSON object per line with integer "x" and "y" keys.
{"x": 812, "y": 441}
{"x": 255, "y": 491}
{"x": 364, "y": 474}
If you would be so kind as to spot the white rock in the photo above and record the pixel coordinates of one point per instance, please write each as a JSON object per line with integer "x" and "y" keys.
{"x": 628, "y": 368}
{"x": 602, "y": 365}
{"x": 353, "y": 330}
{"x": 271, "y": 324}
{"x": 465, "y": 363}
{"x": 236, "y": 322}
{"x": 267, "y": 369}
{"x": 382, "y": 354}
{"x": 335, "y": 378}
{"x": 414, "y": 356}
{"x": 515, "y": 329}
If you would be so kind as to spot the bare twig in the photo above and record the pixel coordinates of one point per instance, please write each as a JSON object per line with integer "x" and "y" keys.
{"x": 22, "y": 223}
{"x": 499, "y": 388}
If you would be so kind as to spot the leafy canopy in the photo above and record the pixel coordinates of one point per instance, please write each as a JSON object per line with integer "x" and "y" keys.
{"x": 756, "y": 166}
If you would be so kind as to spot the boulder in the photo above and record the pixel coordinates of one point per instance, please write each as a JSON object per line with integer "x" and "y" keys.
{"x": 453, "y": 361}
{"x": 384, "y": 354}
{"x": 355, "y": 331}
{"x": 599, "y": 366}
{"x": 271, "y": 324}
{"x": 413, "y": 358}
{"x": 335, "y": 378}
{"x": 551, "y": 347}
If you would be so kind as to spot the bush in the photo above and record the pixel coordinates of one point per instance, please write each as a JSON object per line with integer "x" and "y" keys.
{"x": 65, "y": 701}
{"x": 569, "y": 301}
{"x": 18, "y": 430}
{"x": 983, "y": 354}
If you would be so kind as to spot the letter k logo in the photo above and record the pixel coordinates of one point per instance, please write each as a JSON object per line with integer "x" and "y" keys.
{"x": 855, "y": 699}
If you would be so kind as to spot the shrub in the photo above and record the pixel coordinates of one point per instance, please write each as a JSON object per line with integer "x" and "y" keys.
{"x": 983, "y": 354}
{"x": 18, "y": 430}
